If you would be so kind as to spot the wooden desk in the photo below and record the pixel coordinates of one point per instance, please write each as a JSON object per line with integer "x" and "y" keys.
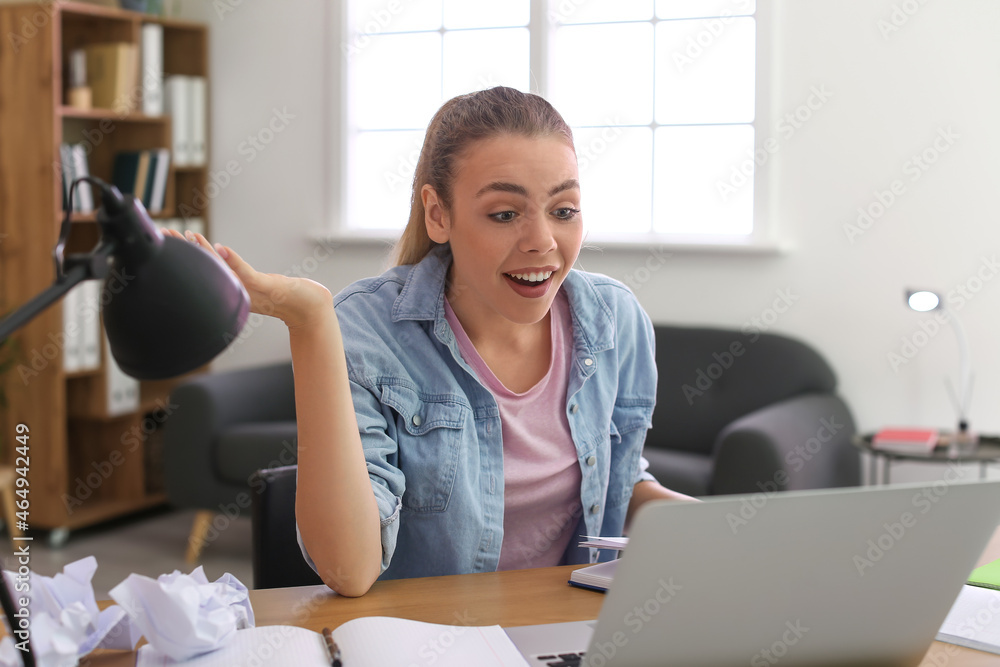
{"x": 520, "y": 597}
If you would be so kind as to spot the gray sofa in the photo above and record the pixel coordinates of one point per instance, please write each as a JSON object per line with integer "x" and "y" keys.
{"x": 735, "y": 414}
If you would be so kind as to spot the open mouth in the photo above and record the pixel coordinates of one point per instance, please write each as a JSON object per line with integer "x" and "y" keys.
{"x": 529, "y": 279}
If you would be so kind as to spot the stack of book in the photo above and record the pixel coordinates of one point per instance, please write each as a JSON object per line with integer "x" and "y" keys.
{"x": 112, "y": 74}
{"x": 73, "y": 165}
{"x": 906, "y": 440}
{"x": 82, "y": 327}
{"x": 152, "y": 69}
{"x": 184, "y": 102}
{"x": 143, "y": 174}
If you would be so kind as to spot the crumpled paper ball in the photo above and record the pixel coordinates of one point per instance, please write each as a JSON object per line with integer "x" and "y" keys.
{"x": 64, "y": 620}
{"x": 184, "y": 615}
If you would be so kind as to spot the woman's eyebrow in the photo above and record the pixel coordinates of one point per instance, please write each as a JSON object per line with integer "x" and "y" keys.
{"x": 565, "y": 185}
{"x": 503, "y": 186}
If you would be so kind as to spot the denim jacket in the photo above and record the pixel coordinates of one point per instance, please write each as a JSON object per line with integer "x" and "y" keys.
{"x": 431, "y": 431}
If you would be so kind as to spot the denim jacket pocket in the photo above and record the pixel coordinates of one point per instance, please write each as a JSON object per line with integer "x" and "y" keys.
{"x": 429, "y": 441}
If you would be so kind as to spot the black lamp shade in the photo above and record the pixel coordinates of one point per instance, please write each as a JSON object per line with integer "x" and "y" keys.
{"x": 169, "y": 306}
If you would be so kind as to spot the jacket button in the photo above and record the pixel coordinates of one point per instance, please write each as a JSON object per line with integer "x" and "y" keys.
{"x": 573, "y": 409}
{"x": 417, "y": 420}
{"x": 595, "y": 508}
{"x": 591, "y": 460}
{"x": 588, "y": 362}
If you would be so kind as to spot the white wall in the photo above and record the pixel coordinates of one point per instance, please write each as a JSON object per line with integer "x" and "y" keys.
{"x": 891, "y": 95}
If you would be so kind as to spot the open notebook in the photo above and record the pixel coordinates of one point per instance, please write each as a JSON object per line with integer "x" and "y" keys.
{"x": 362, "y": 642}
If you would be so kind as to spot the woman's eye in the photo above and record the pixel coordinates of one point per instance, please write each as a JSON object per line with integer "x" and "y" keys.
{"x": 566, "y": 213}
{"x": 504, "y": 216}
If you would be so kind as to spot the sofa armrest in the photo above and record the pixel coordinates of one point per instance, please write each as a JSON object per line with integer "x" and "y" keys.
{"x": 801, "y": 443}
{"x": 206, "y": 406}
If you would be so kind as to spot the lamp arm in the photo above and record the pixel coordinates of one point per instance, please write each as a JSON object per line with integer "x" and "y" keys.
{"x": 82, "y": 267}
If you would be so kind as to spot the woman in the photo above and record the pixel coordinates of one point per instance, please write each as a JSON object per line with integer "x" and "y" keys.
{"x": 480, "y": 405}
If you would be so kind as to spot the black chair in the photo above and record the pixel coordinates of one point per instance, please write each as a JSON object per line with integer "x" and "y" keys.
{"x": 277, "y": 560}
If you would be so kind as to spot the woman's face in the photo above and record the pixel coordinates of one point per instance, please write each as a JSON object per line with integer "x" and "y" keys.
{"x": 514, "y": 227}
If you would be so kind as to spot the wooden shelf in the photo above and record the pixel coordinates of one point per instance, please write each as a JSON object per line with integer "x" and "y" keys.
{"x": 91, "y": 513}
{"x": 70, "y": 429}
{"x": 110, "y": 114}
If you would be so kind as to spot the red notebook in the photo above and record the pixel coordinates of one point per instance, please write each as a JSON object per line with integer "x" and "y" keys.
{"x": 906, "y": 439}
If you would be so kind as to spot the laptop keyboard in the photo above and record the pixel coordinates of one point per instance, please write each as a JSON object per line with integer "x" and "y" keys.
{"x": 561, "y": 659}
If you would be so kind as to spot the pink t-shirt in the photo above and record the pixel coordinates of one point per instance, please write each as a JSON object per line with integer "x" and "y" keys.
{"x": 541, "y": 471}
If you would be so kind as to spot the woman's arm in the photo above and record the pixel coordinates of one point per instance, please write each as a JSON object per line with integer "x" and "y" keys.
{"x": 647, "y": 490}
{"x": 335, "y": 505}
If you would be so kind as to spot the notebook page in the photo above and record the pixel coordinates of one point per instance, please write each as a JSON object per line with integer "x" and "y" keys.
{"x": 382, "y": 640}
{"x": 265, "y": 645}
{"x": 974, "y": 620}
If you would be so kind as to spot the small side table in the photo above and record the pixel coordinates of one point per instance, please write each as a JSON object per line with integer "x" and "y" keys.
{"x": 985, "y": 453}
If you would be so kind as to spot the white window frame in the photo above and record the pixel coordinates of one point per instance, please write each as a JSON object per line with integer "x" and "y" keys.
{"x": 764, "y": 238}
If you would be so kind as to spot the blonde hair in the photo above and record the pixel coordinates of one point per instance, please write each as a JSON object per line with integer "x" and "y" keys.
{"x": 459, "y": 122}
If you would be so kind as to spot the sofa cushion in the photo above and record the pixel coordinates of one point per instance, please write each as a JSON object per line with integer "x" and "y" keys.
{"x": 241, "y": 449}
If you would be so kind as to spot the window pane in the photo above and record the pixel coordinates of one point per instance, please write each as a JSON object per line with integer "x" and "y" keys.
{"x": 380, "y": 177}
{"x": 372, "y": 17}
{"x": 615, "y": 178}
{"x": 585, "y": 11}
{"x": 705, "y": 71}
{"x": 602, "y": 74}
{"x": 466, "y": 14}
{"x": 478, "y": 59}
{"x": 686, "y": 9}
{"x": 396, "y": 81}
{"x": 690, "y": 166}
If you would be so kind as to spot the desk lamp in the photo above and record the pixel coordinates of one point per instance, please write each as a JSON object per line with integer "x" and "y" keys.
{"x": 174, "y": 307}
{"x": 924, "y": 301}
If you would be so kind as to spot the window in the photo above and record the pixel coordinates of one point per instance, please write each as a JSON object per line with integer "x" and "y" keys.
{"x": 662, "y": 96}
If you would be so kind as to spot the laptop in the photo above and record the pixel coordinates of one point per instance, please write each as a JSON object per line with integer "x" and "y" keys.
{"x": 860, "y": 576}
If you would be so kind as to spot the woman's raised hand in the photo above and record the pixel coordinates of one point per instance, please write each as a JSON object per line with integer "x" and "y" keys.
{"x": 297, "y": 302}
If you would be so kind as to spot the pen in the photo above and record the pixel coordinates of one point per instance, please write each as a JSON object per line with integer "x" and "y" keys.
{"x": 331, "y": 646}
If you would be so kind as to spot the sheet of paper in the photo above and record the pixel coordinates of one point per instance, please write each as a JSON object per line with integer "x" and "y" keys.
{"x": 414, "y": 642}
{"x": 617, "y": 543}
{"x": 974, "y": 620}
{"x": 266, "y": 646}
